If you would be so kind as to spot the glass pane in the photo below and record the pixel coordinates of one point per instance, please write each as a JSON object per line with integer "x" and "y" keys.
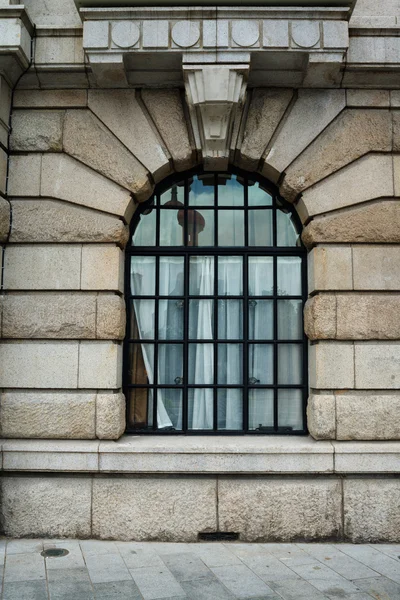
{"x": 169, "y": 409}
{"x": 201, "y": 190}
{"x": 258, "y": 196}
{"x": 261, "y": 275}
{"x": 261, "y": 320}
{"x": 290, "y": 319}
{"x": 200, "y": 408}
{"x": 142, "y": 320}
{"x": 171, "y": 276}
{"x": 171, "y": 227}
{"x": 230, "y": 364}
{"x": 230, "y": 319}
{"x": 140, "y": 408}
{"x": 230, "y": 190}
{"x": 145, "y": 233}
{"x": 200, "y": 227}
{"x": 201, "y": 364}
{"x": 290, "y": 364}
{"x": 230, "y": 409}
{"x": 143, "y": 275}
{"x": 201, "y": 319}
{"x": 170, "y": 364}
{"x": 290, "y": 409}
{"x": 175, "y": 196}
{"x": 289, "y": 276}
{"x": 231, "y": 228}
{"x": 261, "y": 409}
{"x": 285, "y": 230}
{"x": 141, "y": 364}
{"x": 260, "y": 228}
{"x": 201, "y": 276}
{"x": 170, "y": 319}
{"x": 230, "y": 275}
{"x": 261, "y": 364}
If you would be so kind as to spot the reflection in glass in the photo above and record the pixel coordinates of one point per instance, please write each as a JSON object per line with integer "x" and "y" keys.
{"x": 261, "y": 275}
{"x": 230, "y": 409}
{"x": 171, "y": 276}
{"x": 175, "y": 195}
{"x": 230, "y": 190}
{"x": 261, "y": 364}
{"x": 230, "y": 275}
{"x": 290, "y": 319}
{"x": 260, "y": 228}
{"x": 201, "y": 190}
{"x": 200, "y": 227}
{"x": 231, "y": 228}
{"x": 230, "y": 319}
{"x": 201, "y": 319}
{"x": 200, "y": 408}
{"x": 172, "y": 227}
{"x": 170, "y": 364}
{"x": 257, "y": 196}
{"x": 261, "y": 409}
{"x": 290, "y": 364}
{"x": 172, "y": 400}
{"x": 142, "y": 312}
{"x": 201, "y": 276}
{"x": 201, "y": 364}
{"x": 145, "y": 233}
{"x": 290, "y": 409}
{"x": 289, "y": 276}
{"x": 261, "y": 320}
{"x": 143, "y": 275}
{"x": 285, "y": 229}
{"x": 230, "y": 364}
{"x": 170, "y": 319}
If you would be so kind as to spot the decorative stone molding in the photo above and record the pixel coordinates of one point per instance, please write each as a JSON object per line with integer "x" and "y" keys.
{"x": 16, "y": 30}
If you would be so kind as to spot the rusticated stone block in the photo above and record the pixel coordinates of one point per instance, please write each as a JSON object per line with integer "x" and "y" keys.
{"x": 4, "y": 219}
{"x": 371, "y": 510}
{"x": 54, "y": 221}
{"x": 267, "y": 108}
{"x": 110, "y": 317}
{"x": 377, "y": 365}
{"x": 376, "y": 222}
{"x": 37, "y": 130}
{"x": 331, "y": 365}
{"x": 166, "y": 110}
{"x": 50, "y": 98}
{"x": 102, "y": 268}
{"x": 67, "y": 316}
{"x": 100, "y": 365}
{"x": 321, "y": 416}
{"x": 269, "y": 510}
{"x": 47, "y": 415}
{"x": 110, "y": 416}
{"x": 46, "y": 507}
{"x": 158, "y": 509}
{"x": 3, "y": 170}
{"x": 320, "y": 317}
{"x": 368, "y": 416}
{"x": 24, "y": 175}
{"x": 86, "y": 139}
{"x": 376, "y": 267}
{"x": 368, "y": 316}
{"x": 352, "y": 134}
{"x": 330, "y": 268}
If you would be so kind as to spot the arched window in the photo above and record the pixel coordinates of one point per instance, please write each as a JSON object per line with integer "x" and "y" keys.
{"x": 215, "y": 292}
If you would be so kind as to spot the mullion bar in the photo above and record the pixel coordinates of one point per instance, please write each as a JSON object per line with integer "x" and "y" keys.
{"x": 245, "y": 367}
{"x": 216, "y": 348}
{"x": 155, "y": 374}
{"x": 186, "y": 269}
{"x": 275, "y": 349}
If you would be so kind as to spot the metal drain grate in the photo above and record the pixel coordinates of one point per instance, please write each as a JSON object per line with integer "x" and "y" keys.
{"x": 54, "y": 552}
{"x": 218, "y": 536}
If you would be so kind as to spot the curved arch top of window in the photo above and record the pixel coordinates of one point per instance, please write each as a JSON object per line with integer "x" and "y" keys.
{"x": 216, "y": 210}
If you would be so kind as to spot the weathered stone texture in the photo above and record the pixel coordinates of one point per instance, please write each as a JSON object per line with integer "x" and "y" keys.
{"x": 267, "y": 108}
{"x": 375, "y": 222}
{"x": 24, "y": 179}
{"x": 100, "y": 365}
{"x": 3, "y": 170}
{"x": 50, "y": 98}
{"x": 371, "y": 510}
{"x": 47, "y": 415}
{"x": 120, "y": 111}
{"x": 320, "y": 317}
{"x": 166, "y": 110}
{"x": 110, "y": 317}
{"x": 4, "y": 219}
{"x": 156, "y": 509}
{"x": 330, "y": 268}
{"x": 280, "y": 510}
{"x": 370, "y": 98}
{"x": 367, "y": 416}
{"x": 331, "y": 365}
{"x": 321, "y": 416}
{"x": 86, "y": 139}
{"x": 376, "y": 267}
{"x": 110, "y": 416}
{"x": 102, "y": 268}
{"x": 351, "y": 135}
{"x": 377, "y": 365}
{"x": 46, "y": 507}
{"x": 38, "y": 130}
{"x": 53, "y": 221}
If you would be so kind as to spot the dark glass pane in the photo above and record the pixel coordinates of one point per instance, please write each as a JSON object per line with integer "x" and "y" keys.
{"x": 201, "y": 276}
{"x": 289, "y": 276}
{"x": 169, "y": 409}
{"x": 290, "y": 409}
{"x": 171, "y": 227}
{"x": 201, "y": 190}
{"x": 170, "y": 319}
{"x": 200, "y": 408}
{"x": 174, "y": 196}
{"x": 140, "y": 408}
{"x": 290, "y": 364}
{"x": 200, "y": 227}
{"x": 261, "y": 409}
{"x": 230, "y": 409}
{"x": 201, "y": 364}
{"x": 231, "y": 228}
{"x": 145, "y": 232}
{"x": 230, "y": 275}
{"x": 230, "y": 364}
{"x": 142, "y": 320}
{"x": 261, "y": 364}
{"x": 201, "y": 319}
{"x": 171, "y": 276}
{"x": 261, "y": 275}
{"x": 257, "y": 196}
{"x": 141, "y": 364}
{"x": 261, "y": 320}
{"x": 285, "y": 230}
{"x": 230, "y": 319}
{"x": 170, "y": 364}
{"x": 230, "y": 190}
{"x": 260, "y": 228}
{"x": 290, "y": 319}
{"x": 143, "y": 275}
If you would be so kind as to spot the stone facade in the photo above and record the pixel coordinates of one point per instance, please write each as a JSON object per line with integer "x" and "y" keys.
{"x": 91, "y": 119}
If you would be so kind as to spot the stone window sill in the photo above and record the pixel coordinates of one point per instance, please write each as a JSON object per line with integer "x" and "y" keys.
{"x": 201, "y": 455}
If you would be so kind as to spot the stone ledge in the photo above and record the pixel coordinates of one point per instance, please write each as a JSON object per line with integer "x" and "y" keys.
{"x": 202, "y": 455}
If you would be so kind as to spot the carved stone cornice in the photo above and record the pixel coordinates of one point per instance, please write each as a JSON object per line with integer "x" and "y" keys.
{"x": 16, "y": 30}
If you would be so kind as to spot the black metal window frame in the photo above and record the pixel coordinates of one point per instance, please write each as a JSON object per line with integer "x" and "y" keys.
{"x": 245, "y": 251}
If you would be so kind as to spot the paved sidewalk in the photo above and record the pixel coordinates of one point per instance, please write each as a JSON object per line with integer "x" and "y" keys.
{"x": 205, "y": 571}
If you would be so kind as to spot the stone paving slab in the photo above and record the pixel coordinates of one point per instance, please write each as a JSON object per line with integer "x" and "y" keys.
{"x": 104, "y": 570}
